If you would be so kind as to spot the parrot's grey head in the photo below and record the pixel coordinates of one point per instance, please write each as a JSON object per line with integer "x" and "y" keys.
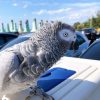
{"x": 64, "y": 32}
{"x": 53, "y": 34}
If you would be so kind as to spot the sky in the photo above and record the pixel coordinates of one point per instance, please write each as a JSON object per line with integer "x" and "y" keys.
{"x": 69, "y": 11}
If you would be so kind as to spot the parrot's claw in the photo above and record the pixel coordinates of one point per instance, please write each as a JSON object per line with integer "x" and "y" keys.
{"x": 37, "y": 91}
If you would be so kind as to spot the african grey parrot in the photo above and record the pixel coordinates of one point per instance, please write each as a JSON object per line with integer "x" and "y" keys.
{"x": 22, "y": 64}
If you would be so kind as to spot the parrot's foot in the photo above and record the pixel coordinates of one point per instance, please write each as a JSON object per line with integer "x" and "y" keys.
{"x": 39, "y": 92}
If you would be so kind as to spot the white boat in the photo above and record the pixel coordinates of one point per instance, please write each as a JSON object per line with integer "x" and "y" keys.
{"x": 83, "y": 85}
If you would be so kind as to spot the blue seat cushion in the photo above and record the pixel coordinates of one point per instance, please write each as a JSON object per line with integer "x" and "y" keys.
{"x": 53, "y": 77}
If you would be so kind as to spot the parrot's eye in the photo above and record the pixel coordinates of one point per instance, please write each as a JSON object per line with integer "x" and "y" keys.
{"x": 65, "y": 34}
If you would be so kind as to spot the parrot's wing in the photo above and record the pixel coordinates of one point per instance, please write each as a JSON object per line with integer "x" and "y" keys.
{"x": 8, "y": 63}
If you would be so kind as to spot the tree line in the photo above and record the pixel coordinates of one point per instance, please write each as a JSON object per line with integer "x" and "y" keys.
{"x": 91, "y": 22}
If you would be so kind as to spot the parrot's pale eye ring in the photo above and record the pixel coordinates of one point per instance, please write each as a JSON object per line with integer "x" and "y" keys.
{"x": 65, "y": 34}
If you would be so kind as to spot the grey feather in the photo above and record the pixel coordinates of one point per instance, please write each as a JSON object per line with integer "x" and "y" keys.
{"x": 32, "y": 57}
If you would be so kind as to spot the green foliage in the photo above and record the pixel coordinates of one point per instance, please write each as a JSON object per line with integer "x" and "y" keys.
{"x": 20, "y": 26}
{"x": 27, "y": 26}
{"x": 16, "y": 29}
{"x": 8, "y": 28}
{"x": 3, "y": 29}
{"x": 12, "y": 25}
{"x": 76, "y": 25}
{"x": 35, "y": 21}
{"x": 92, "y": 22}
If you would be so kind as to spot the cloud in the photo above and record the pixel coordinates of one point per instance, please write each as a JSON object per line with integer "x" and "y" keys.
{"x": 44, "y": 4}
{"x": 40, "y": 4}
{"x": 25, "y": 5}
{"x": 60, "y": 18}
{"x": 90, "y": 4}
{"x": 51, "y": 12}
{"x": 86, "y": 12}
{"x": 0, "y": 18}
{"x": 70, "y": 7}
{"x": 63, "y": 10}
{"x": 71, "y": 12}
{"x": 25, "y": 15}
{"x": 21, "y": 5}
{"x": 15, "y": 4}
